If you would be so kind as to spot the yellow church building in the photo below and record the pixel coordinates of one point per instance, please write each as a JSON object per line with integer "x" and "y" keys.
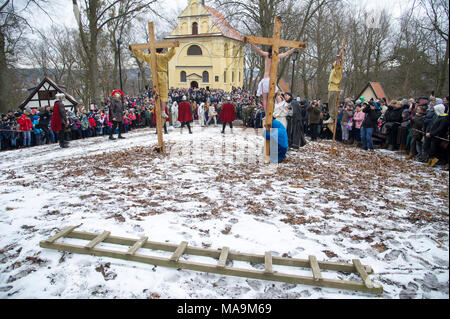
{"x": 211, "y": 52}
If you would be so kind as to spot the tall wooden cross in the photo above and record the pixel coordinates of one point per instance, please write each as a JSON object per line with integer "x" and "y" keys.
{"x": 341, "y": 62}
{"x": 276, "y": 43}
{"x": 153, "y": 45}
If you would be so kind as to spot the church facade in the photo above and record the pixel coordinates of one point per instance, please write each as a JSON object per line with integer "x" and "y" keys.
{"x": 211, "y": 52}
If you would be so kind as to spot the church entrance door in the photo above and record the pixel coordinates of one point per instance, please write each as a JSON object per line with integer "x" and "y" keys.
{"x": 194, "y": 85}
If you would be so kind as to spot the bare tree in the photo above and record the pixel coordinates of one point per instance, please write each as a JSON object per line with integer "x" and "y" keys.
{"x": 437, "y": 12}
{"x": 13, "y": 26}
{"x": 93, "y": 16}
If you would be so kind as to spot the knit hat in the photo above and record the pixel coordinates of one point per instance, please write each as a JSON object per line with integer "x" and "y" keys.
{"x": 439, "y": 109}
{"x": 439, "y": 101}
{"x": 406, "y": 112}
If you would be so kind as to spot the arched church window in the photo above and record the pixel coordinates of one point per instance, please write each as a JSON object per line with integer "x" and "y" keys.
{"x": 205, "y": 77}
{"x": 182, "y": 76}
{"x": 195, "y": 28}
{"x": 194, "y": 50}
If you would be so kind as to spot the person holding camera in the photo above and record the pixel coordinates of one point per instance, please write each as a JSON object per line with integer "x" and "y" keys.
{"x": 314, "y": 113}
{"x": 369, "y": 124}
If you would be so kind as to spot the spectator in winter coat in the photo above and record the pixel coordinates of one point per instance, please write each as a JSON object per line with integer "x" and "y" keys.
{"x": 93, "y": 125}
{"x": 417, "y": 133}
{"x": 358, "y": 119}
{"x": 36, "y": 130}
{"x": 116, "y": 114}
{"x": 44, "y": 121}
{"x": 404, "y": 128}
{"x": 392, "y": 120}
{"x": 85, "y": 127}
{"x": 347, "y": 114}
{"x": 369, "y": 124}
{"x": 25, "y": 126}
{"x": 438, "y": 128}
{"x": 314, "y": 112}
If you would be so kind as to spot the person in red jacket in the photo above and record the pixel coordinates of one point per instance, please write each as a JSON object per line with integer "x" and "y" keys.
{"x": 59, "y": 120}
{"x": 25, "y": 126}
{"x": 227, "y": 115}
{"x": 165, "y": 115}
{"x": 185, "y": 114}
{"x": 92, "y": 125}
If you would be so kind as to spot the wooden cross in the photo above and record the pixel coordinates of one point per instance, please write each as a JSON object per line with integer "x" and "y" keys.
{"x": 276, "y": 43}
{"x": 153, "y": 45}
{"x": 333, "y": 149}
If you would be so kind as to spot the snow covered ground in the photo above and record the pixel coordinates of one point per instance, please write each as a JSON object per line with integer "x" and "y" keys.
{"x": 212, "y": 191}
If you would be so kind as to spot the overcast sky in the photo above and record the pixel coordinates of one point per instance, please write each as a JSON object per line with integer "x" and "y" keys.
{"x": 61, "y": 11}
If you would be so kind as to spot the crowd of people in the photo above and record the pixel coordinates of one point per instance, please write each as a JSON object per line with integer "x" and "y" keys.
{"x": 419, "y": 127}
{"x": 32, "y": 126}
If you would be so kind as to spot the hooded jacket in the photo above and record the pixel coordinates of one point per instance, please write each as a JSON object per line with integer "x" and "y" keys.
{"x": 440, "y": 123}
{"x": 371, "y": 119}
{"x": 393, "y": 114}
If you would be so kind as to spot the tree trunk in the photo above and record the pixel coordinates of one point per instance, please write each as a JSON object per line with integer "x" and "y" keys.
{"x": 443, "y": 73}
{"x": 4, "y": 98}
{"x": 93, "y": 54}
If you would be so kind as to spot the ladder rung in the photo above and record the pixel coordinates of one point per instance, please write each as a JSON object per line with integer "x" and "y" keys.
{"x": 94, "y": 242}
{"x": 137, "y": 245}
{"x": 225, "y": 254}
{"x": 315, "y": 268}
{"x": 362, "y": 272}
{"x": 62, "y": 233}
{"x": 179, "y": 251}
{"x": 223, "y": 257}
{"x": 268, "y": 262}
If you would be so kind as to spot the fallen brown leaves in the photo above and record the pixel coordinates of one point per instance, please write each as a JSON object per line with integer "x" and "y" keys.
{"x": 298, "y": 220}
{"x": 226, "y": 231}
{"x": 329, "y": 253}
{"x": 381, "y": 247}
{"x": 104, "y": 270}
{"x": 421, "y": 216}
{"x": 367, "y": 238}
{"x": 118, "y": 217}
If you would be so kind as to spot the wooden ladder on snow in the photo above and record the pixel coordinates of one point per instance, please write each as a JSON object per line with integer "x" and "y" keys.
{"x": 223, "y": 255}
